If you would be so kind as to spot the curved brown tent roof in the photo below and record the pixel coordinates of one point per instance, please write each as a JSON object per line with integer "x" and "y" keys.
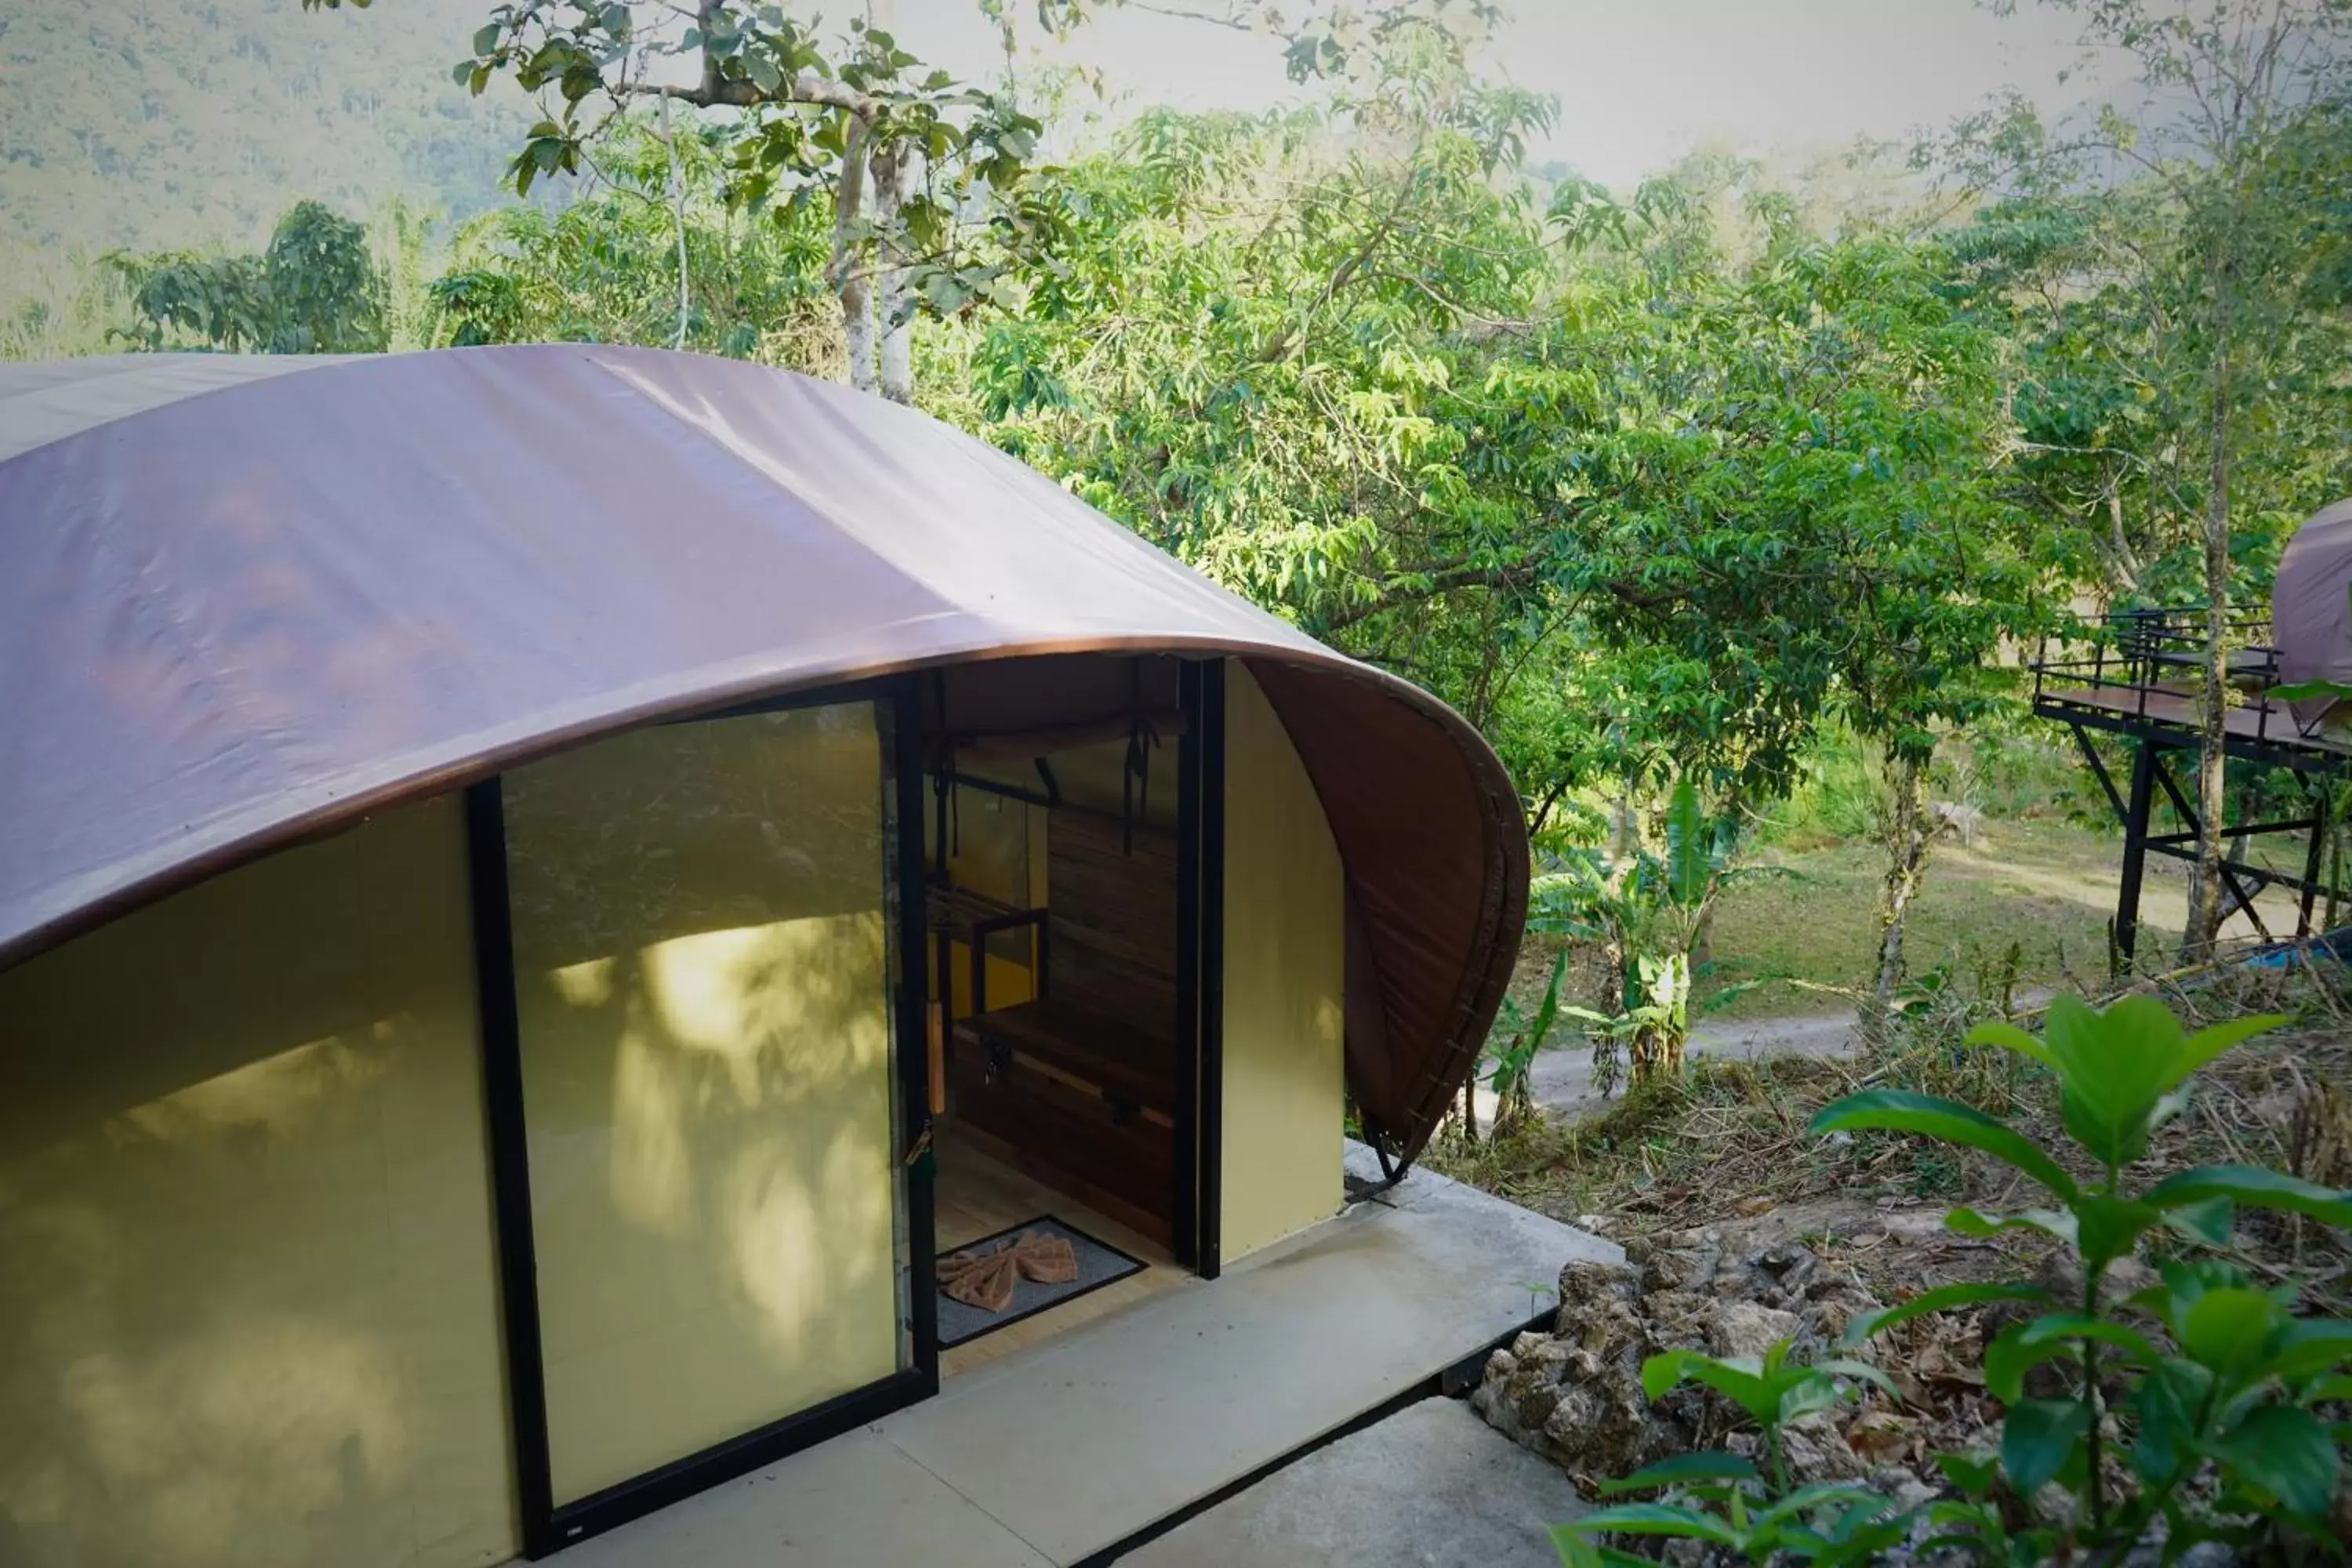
{"x": 2311, "y": 605}
{"x": 243, "y": 601}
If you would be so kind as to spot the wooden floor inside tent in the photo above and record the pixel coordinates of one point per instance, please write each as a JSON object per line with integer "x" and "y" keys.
{"x": 975, "y": 1195}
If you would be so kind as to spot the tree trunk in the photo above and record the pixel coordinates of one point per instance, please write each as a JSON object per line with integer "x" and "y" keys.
{"x": 2123, "y": 564}
{"x": 893, "y": 321}
{"x": 2205, "y": 890}
{"x": 677, "y": 218}
{"x": 845, "y": 271}
{"x": 1906, "y": 842}
{"x": 1624, "y": 835}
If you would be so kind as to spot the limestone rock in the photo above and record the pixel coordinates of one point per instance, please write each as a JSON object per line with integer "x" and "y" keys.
{"x": 1745, "y": 1328}
{"x": 1575, "y": 1394}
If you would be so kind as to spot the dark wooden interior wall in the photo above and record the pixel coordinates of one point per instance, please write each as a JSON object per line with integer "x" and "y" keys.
{"x": 1108, "y": 1022}
{"x": 1111, "y": 907}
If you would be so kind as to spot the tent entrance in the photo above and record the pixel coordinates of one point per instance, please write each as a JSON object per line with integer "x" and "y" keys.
{"x": 1062, "y": 901}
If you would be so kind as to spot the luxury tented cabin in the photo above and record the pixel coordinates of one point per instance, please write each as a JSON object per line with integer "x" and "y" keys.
{"x": 573, "y": 919}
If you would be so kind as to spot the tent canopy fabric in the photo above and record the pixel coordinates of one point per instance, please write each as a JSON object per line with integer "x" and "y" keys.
{"x": 2311, "y": 605}
{"x": 247, "y": 600}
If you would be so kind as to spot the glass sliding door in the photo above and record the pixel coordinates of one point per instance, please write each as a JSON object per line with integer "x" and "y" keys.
{"x": 701, "y": 918}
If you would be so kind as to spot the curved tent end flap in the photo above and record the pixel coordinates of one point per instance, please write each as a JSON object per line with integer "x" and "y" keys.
{"x": 245, "y": 603}
{"x": 2311, "y": 608}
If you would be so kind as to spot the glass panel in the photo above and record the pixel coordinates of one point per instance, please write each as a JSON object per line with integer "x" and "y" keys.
{"x": 702, "y": 961}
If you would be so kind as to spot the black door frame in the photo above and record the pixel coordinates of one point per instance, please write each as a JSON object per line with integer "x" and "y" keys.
{"x": 546, "y": 1526}
{"x": 1200, "y": 967}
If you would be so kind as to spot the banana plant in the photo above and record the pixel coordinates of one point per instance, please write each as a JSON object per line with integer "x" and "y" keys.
{"x": 1522, "y": 1036}
{"x": 2230, "y": 1394}
{"x": 1650, "y": 907}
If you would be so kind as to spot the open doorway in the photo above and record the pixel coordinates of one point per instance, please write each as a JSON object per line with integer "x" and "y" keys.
{"x": 1064, "y": 1077}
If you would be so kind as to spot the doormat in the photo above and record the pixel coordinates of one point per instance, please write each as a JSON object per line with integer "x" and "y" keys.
{"x": 1095, "y": 1265}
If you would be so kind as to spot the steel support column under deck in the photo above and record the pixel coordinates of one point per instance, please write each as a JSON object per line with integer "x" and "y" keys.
{"x": 2126, "y": 934}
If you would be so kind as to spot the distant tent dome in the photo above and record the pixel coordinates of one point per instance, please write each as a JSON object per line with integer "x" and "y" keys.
{"x": 2311, "y": 605}
{"x": 244, "y": 601}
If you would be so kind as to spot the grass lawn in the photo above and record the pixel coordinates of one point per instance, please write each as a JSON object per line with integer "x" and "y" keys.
{"x": 2037, "y": 881}
{"x": 2044, "y": 884}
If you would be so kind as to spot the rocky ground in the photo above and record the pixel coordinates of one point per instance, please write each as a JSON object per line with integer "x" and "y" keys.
{"x": 1575, "y": 1394}
{"x": 1575, "y": 1397}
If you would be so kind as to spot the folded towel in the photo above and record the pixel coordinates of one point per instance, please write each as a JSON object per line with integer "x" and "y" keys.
{"x": 985, "y": 1279}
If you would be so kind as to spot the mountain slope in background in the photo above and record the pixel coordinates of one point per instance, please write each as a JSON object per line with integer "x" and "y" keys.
{"x": 196, "y": 124}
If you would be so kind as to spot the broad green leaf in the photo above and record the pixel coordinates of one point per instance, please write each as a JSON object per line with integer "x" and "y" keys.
{"x": 2107, "y": 1228}
{"x": 2037, "y": 1440}
{"x": 2285, "y": 1452}
{"x": 2308, "y": 690}
{"x": 2210, "y": 1220}
{"x": 1901, "y": 1110}
{"x": 2251, "y": 1186}
{"x": 1805, "y": 1499}
{"x": 2008, "y": 1037}
{"x": 1575, "y": 1552}
{"x": 1861, "y": 1371}
{"x": 2113, "y": 1067}
{"x": 2214, "y": 1038}
{"x": 1706, "y": 1465}
{"x": 2017, "y": 1349}
{"x": 1656, "y": 1518}
{"x": 1973, "y": 1474}
{"x": 2169, "y": 1399}
{"x": 1799, "y": 1396}
{"x": 1688, "y": 859}
{"x": 1940, "y": 1300}
{"x": 1738, "y": 1378}
{"x": 2302, "y": 1348}
{"x": 2228, "y": 1329}
{"x": 2057, "y": 1223}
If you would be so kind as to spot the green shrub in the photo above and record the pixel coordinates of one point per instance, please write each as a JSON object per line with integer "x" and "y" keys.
{"x": 2216, "y": 1390}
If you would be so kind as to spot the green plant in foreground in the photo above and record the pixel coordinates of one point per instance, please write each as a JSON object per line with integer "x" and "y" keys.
{"x": 2227, "y": 1391}
{"x": 1721, "y": 1498}
{"x": 2214, "y": 1391}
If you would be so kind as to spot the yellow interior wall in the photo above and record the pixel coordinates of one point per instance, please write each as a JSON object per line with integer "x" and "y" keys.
{"x": 701, "y": 956}
{"x": 997, "y": 847}
{"x": 248, "y": 1309}
{"x": 1285, "y": 951}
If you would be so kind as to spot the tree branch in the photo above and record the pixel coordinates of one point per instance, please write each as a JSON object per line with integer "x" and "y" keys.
{"x": 1443, "y": 581}
{"x": 715, "y": 91}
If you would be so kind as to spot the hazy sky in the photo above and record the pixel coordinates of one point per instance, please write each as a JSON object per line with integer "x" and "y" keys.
{"x": 1639, "y": 82}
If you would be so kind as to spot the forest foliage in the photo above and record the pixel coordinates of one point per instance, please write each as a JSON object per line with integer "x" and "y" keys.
{"x": 1656, "y": 485}
{"x": 194, "y": 126}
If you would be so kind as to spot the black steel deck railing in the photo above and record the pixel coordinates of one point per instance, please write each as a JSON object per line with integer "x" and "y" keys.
{"x": 2149, "y": 665}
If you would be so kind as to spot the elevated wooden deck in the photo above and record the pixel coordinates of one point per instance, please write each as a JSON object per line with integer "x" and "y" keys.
{"x": 2173, "y": 707}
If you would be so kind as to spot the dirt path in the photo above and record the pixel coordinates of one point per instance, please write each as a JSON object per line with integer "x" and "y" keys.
{"x": 1562, "y": 1078}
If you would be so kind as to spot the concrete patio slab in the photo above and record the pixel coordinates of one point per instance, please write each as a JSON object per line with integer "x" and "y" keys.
{"x": 856, "y": 1499}
{"x": 1067, "y": 1447}
{"x": 1430, "y": 1487}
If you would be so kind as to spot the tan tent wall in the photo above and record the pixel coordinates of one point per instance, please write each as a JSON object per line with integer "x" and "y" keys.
{"x": 1284, "y": 991}
{"x": 704, "y": 1016}
{"x": 248, "y": 1312}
